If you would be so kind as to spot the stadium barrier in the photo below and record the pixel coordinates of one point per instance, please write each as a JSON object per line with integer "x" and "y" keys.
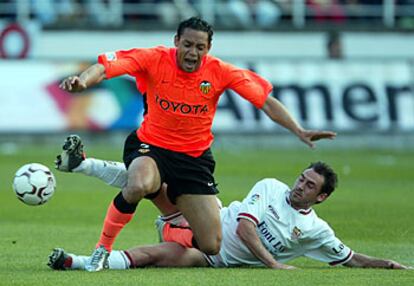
{"x": 347, "y": 95}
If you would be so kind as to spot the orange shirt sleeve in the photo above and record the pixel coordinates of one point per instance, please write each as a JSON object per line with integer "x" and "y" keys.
{"x": 248, "y": 84}
{"x": 131, "y": 62}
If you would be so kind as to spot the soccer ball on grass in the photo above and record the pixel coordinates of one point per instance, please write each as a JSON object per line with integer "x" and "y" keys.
{"x": 34, "y": 184}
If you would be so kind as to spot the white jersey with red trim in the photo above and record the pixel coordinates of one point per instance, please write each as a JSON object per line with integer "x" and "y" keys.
{"x": 286, "y": 233}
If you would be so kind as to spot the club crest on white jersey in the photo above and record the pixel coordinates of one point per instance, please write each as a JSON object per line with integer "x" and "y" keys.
{"x": 296, "y": 233}
{"x": 254, "y": 199}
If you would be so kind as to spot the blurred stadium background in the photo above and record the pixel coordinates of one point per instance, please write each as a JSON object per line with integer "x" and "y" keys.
{"x": 343, "y": 65}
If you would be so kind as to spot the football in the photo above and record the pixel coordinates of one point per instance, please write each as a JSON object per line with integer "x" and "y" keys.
{"x": 34, "y": 184}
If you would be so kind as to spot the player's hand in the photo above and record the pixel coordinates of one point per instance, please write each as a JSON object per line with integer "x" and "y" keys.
{"x": 396, "y": 265}
{"x": 281, "y": 266}
{"x": 309, "y": 136}
{"x": 290, "y": 267}
{"x": 73, "y": 84}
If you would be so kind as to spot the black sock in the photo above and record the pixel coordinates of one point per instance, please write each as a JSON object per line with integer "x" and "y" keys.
{"x": 123, "y": 206}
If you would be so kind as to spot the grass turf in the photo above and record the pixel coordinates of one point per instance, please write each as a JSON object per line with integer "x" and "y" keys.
{"x": 372, "y": 212}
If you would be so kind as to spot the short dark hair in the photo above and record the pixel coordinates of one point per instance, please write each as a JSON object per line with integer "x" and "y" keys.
{"x": 197, "y": 24}
{"x": 331, "y": 178}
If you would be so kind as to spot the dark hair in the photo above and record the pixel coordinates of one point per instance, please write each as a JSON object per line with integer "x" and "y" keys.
{"x": 331, "y": 179}
{"x": 197, "y": 24}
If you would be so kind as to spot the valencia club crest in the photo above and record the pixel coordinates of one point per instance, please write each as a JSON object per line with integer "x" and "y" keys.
{"x": 205, "y": 87}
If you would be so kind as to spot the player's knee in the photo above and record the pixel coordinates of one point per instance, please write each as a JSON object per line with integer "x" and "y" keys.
{"x": 211, "y": 247}
{"x": 140, "y": 188}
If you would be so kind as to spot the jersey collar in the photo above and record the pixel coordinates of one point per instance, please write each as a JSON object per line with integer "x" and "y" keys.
{"x": 301, "y": 211}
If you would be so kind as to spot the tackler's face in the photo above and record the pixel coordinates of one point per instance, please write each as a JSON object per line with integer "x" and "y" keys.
{"x": 192, "y": 46}
{"x": 307, "y": 190}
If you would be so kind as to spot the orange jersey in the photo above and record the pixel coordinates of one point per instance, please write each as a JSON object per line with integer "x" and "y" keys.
{"x": 182, "y": 105}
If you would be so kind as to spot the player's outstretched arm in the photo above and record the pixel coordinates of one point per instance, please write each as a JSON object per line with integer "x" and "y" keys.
{"x": 246, "y": 231}
{"x": 365, "y": 261}
{"x": 279, "y": 114}
{"x": 91, "y": 76}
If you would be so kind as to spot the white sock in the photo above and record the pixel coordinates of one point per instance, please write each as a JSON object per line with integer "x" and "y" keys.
{"x": 175, "y": 219}
{"x": 78, "y": 261}
{"x": 112, "y": 173}
{"x": 117, "y": 260}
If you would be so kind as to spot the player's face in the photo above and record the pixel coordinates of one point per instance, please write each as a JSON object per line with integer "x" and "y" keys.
{"x": 306, "y": 191}
{"x": 192, "y": 46}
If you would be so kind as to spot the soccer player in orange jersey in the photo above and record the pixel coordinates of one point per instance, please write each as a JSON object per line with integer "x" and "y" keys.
{"x": 182, "y": 86}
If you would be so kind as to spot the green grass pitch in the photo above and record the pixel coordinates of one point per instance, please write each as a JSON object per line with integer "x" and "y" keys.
{"x": 372, "y": 211}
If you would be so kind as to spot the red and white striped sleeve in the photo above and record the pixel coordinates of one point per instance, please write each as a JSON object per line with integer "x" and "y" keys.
{"x": 330, "y": 249}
